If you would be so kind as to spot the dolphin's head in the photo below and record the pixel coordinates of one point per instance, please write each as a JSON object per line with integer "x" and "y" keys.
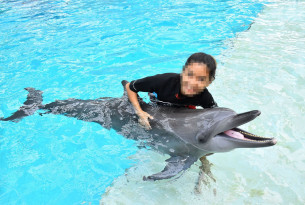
{"x": 221, "y": 132}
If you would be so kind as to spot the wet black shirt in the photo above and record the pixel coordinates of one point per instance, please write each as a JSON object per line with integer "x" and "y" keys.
{"x": 166, "y": 88}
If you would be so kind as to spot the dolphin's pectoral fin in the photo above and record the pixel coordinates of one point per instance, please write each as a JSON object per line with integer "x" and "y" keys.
{"x": 30, "y": 106}
{"x": 174, "y": 166}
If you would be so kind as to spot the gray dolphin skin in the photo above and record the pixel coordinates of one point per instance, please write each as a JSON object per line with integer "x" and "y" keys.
{"x": 184, "y": 134}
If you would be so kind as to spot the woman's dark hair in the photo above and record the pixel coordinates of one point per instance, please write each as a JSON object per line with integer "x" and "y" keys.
{"x": 205, "y": 59}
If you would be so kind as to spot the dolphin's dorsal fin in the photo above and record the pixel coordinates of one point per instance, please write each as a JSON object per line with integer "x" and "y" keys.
{"x": 175, "y": 165}
{"x": 124, "y": 82}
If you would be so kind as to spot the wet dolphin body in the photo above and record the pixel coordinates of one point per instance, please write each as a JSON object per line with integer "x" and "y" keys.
{"x": 184, "y": 134}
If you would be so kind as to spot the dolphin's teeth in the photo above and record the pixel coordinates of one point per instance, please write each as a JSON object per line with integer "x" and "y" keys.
{"x": 249, "y": 134}
{"x": 252, "y": 135}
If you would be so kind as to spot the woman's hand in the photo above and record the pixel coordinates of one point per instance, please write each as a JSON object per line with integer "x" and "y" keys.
{"x": 143, "y": 116}
{"x": 143, "y": 119}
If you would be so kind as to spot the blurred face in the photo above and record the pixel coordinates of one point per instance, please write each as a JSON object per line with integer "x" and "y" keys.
{"x": 194, "y": 79}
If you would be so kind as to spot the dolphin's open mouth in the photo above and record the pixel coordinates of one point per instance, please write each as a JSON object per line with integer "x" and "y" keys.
{"x": 225, "y": 126}
{"x": 242, "y": 135}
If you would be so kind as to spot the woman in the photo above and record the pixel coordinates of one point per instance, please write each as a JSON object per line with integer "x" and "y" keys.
{"x": 186, "y": 89}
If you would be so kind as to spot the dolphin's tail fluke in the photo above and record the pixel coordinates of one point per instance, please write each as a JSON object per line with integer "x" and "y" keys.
{"x": 30, "y": 106}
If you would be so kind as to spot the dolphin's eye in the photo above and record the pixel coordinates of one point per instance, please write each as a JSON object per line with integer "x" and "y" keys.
{"x": 202, "y": 140}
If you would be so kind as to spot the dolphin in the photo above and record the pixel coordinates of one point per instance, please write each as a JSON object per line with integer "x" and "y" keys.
{"x": 184, "y": 134}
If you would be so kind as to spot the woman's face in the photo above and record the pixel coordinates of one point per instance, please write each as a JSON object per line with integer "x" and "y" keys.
{"x": 194, "y": 79}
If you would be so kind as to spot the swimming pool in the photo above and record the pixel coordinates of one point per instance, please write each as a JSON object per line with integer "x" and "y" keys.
{"x": 83, "y": 49}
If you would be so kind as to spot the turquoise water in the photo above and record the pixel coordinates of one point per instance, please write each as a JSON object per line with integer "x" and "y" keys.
{"x": 83, "y": 49}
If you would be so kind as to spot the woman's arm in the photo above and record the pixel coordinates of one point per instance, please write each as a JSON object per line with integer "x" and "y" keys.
{"x": 143, "y": 116}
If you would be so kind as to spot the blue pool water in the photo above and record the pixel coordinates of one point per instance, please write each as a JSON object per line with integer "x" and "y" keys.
{"x": 83, "y": 49}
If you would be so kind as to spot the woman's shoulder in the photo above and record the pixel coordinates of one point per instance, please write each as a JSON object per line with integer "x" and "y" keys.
{"x": 207, "y": 99}
{"x": 168, "y": 76}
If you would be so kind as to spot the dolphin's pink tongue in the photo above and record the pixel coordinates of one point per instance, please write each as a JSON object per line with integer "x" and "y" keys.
{"x": 234, "y": 134}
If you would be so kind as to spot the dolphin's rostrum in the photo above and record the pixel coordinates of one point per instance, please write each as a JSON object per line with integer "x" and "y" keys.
{"x": 184, "y": 134}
